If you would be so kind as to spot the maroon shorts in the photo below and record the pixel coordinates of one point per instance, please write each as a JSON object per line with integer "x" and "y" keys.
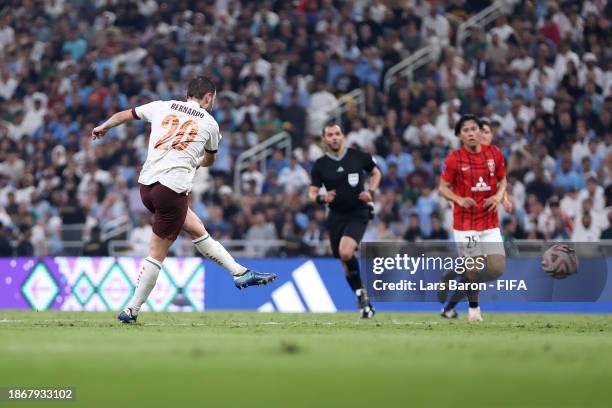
{"x": 169, "y": 209}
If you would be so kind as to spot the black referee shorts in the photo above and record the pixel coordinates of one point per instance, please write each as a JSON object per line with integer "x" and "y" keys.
{"x": 351, "y": 224}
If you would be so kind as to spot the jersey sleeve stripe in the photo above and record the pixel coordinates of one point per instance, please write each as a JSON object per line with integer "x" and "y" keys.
{"x": 490, "y": 216}
{"x": 461, "y": 188}
{"x": 472, "y": 171}
{"x": 134, "y": 114}
{"x": 210, "y": 151}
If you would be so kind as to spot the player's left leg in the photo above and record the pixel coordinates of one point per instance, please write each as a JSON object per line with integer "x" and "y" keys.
{"x": 213, "y": 250}
{"x": 169, "y": 212}
{"x": 147, "y": 277}
{"x": 349, "y": 242}
{"x": 467, "y": 243}
{"x": 492, "y": 246}
{"x": 495, "y": 267}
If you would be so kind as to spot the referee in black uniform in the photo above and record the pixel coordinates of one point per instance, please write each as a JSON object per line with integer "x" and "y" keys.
{"x": 343, "y": 171}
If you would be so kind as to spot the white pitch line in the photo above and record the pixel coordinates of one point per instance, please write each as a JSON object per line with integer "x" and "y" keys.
{"x": 397, "y": 322}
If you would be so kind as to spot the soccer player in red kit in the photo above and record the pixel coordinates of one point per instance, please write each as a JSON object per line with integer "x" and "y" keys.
{"x": 474, "y": 181}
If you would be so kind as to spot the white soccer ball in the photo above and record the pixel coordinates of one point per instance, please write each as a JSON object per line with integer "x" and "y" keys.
{"x": 560, "y": 261}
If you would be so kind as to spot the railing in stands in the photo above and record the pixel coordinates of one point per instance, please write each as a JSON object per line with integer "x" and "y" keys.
{"x": 72, "y": 238}
{"x": 408, "y": 65}
{"x": 115, "y": 228}
{"x": 480, "y": 20}
{"x": 241, "y": 248}
{"x": 260, "y": 153}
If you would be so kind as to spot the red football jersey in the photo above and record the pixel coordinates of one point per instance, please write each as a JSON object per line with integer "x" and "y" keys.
{"x": 474, "y": 175}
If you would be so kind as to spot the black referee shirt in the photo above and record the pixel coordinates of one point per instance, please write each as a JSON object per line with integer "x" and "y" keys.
{"x": 345, "y": 174}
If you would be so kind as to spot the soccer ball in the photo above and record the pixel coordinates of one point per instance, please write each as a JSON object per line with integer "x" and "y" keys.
{"x": 560, "y": 261}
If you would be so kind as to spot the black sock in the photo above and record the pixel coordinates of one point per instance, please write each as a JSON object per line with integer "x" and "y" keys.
{"x": 352, "y": 277}
{"x": 473, "y": 304}
{"x": 458, "y": 295}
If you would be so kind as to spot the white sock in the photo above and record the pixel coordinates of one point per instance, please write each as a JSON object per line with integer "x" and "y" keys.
{"x": 214, "y": 251}
{"x": 146, "y": 282}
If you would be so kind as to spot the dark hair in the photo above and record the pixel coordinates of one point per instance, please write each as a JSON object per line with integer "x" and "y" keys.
{"x": 331, "y": 124}
{"x": 464, "y": 119}
{"x": 484, "y": 122}
{"x": 200, "y": 86}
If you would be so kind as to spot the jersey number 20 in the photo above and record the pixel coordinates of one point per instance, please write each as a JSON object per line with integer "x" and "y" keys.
{"x": 171, "y": 122}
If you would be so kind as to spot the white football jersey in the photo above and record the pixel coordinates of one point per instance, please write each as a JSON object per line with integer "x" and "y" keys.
{"x": 180, "y": 134}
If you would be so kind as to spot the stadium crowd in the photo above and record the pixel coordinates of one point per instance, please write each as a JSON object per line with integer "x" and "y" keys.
{"x": 542, "y": 75}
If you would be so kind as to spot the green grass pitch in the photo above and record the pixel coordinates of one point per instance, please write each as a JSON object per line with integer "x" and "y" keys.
{"x": 239, "y": 359}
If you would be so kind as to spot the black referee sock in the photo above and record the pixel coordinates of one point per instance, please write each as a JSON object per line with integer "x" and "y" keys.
{"x": 352, "y": 277}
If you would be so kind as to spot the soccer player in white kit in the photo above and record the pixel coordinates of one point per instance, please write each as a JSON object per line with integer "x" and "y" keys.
{"x": 184, "y": 136}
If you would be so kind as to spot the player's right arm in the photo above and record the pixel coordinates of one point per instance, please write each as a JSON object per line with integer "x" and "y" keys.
{"x": 445, "y": 187}
{"x": 446, "y": 191}
{"x": 117, "y": 119}
{"x": 208, "y": 159}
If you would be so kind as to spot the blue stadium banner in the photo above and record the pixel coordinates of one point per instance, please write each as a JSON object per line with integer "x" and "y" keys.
{"x": 413, "y": 272}
{"x": 191, "y": 284}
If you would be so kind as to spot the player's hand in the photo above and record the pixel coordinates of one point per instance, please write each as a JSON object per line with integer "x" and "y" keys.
{"x": 508, "y": 207}
{"x": 330, "y": 196}
{"x": 466, "y": 202}
{"x": 365, "y": 196}
{"x": 98, "y": 132}
{"x": 491, "y": 203}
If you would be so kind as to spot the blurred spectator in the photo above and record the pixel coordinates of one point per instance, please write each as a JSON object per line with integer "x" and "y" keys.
{"x": 322, "y": 102}
{"x": 216, "y": 225}
{"x": 435, "y": 28}
{"x": 595, "y": 193}
{"x": 607, "y": 233}
{"x": 278, "y": 162}
{"x": 95, "y": 246}
{"x": 253, "y": 176}
{"x": 12, "y": 167}
{"x": 539, "y": 186}
{"x": 293, "y": 178}
{"x": 566, "y": 177}
{"x": 295, "y": 114}
{"x": 314, "y": 239}
{"x": 6, "y": 249}
{"x": 585, "y": 230}
{"x": 141, "y": 235}
{"x": 391, "y": 180}
{"x": 413, "y": 233}
{"x": 360, "y": 136}
{"x": 261, "y": 230}
{"x": 24, "y": 245}
{"x": 437, "y": 231}
{"x": 401, "y": 159}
